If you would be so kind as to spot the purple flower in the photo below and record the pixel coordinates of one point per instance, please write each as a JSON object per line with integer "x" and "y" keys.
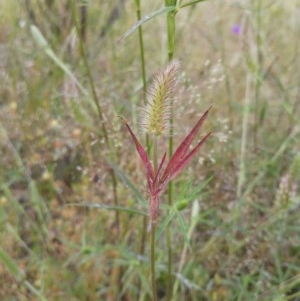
{"x": 236, "y": 29}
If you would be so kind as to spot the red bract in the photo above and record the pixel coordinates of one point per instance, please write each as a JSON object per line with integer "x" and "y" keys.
{"x": 157, "y": 180}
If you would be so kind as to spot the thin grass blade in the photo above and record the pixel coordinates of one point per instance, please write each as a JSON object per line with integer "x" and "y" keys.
{"x": 159, "y": 168}
{"x": 183, "y": 228}
{"x": 42, "y": 42}
{"x": 191, "y": 3}
{"x": 164, "y": 224}
{"x": 110, "y": 207}
{"x": 181, "y": 165}
{"x": 161, "y": 11}
{"x": 11, "y": 265}
{"x": 144, "y": 157}
{"x": 183, "y": 148}
{"x": 127, "y": 182}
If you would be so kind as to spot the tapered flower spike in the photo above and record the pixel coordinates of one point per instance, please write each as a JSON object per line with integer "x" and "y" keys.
{"x": 158, "y": 179}
{"x": 155, "y": 117}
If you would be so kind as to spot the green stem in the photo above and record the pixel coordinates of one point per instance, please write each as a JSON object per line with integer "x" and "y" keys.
{"x": 243, "y": 151}
{"x": 97, "y": 103}
{"x": 171, "y": 33}
{"x": 142, "y": 252}
{"x": 171, "y": 29}
{"x": 170, "y": 259}
{"x": 191, "y": 3}
{"x": 89, "y": 73}
{"x": 152, "y": 263}
{"x": 258, "y": 73}
{"x": 225, "y": 68}
{"x": 143, "y": 65}
{"x": 155, "y": 156}
{"x": 143, "y": 70}
{"x": 142, "y": 51}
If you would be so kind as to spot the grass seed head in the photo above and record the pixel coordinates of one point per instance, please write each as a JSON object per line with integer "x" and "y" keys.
{"x": 156, "y": 114}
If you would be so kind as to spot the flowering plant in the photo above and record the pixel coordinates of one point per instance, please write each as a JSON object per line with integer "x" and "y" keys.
{"x": 157, "y": 180}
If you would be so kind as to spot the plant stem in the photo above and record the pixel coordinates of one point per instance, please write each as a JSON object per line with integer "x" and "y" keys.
{"x": 89, "y": 74}
{"x": 143, "y": 65}
{"x": 170, "y": 257}
{"x": 190, "y": 3}
{"x": 221, "y": 46}
{"x": 153, "y": 225}
{"x": 258, "y": 71}
{"x": 152, "y": 263}
{"x": 171, "y": 30}
{"x": 242, "y": 163}
{"x": 171, "y": 27}
{"x": 97, "y": 103}
{"x": 142, "y": 51}
{"x": 143, "y": 70}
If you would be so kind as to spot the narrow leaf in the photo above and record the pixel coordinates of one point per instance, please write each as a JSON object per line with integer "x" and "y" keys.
{"x": 181, "y": 165}
{"x": 42, "y": 42}
{"x": 164, "y": 224}
{"x": 145, "y": 19}
{"x": 183, "y": 228}
{"x": 183, "y": 148}
{"x": 191, "y": 3}
{"x": 11, "y": 265}
{"x": 144, "y": 157}
{"x": 110, "y": 207}
{"x": 127, "y": 182}
{"x": 159, "y": 168}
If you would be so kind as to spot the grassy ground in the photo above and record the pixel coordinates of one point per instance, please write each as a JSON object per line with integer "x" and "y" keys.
{"x": 63, "y": 145}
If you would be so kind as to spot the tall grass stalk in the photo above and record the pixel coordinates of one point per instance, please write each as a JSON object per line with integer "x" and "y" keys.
{"x": 153, "y": 228}
{"x": 225, "y": 66}
{"x": 158, "y": 179}
{"x": 142, "y": 50}
{"x": 152, "y": 262}
{"x": 155, "y": 121}
{"x": 171, "y": 33}
{"x": 89, "y": 73}
{"x": 97, "y": 103}
{"x": 116, "y": 272}
{"x": 243, "y": 149}
{"x": 171, "y": 39}
{"x": 143, "y": 72}
{"x": 259, "y": 108}
{"x": 193, "y": 223}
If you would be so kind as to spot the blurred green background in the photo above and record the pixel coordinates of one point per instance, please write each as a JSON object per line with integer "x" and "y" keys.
{"x": 62, "y": 88}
